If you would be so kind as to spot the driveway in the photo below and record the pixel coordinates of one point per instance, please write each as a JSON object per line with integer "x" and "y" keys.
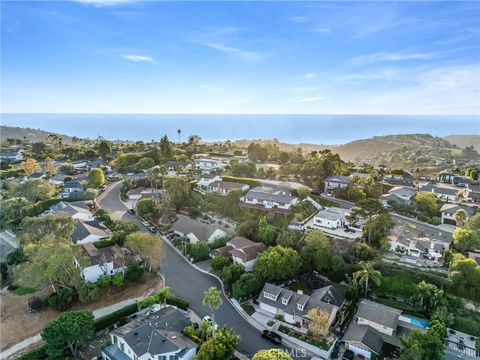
{"x": 190, "y": 284}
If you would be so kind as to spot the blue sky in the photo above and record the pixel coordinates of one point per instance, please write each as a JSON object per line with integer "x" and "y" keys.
{"x": 107, "y": 56}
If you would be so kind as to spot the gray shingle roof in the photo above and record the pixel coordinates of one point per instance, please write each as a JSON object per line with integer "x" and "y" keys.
{"x": 270, "y": 194}
{"x": 365, "y": 335}
{"x": 378, "y": 313}
{"x": 85, "y": 228}
{"x": 186, "y": 225}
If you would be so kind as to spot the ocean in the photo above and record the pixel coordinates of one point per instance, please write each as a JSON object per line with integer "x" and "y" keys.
{"x": 317, "y": 129}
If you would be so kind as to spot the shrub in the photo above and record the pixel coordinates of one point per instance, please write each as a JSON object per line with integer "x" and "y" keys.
{"x": 23, "y": 290}
{"x": 134, "y": 273}
{"x": 180, "y": 303}
{"x": 103, "y": 243}
{"x": 88, "y": 292}
{"x": 114, "y": 317}
{"x": 103, "y": 281}
{"x": 218, "y": 242}
{"x": 39, "y": 353}
{"x": 220, "y": 262}
{"x": 117, "y": 280}
{"x": 198, "y": 251}
{"x": 62, "y": 299}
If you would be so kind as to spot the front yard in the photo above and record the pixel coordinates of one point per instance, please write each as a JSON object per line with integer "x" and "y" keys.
{"x": 321, "y": 344}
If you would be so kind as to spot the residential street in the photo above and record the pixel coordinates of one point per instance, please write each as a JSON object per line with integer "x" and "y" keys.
{"x": 189, "y": 283}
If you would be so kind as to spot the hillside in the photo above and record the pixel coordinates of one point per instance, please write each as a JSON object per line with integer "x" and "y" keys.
{"x": 306, "y": 147}
{"x": 32, "y": 135}
{"x": 462, "y": 141}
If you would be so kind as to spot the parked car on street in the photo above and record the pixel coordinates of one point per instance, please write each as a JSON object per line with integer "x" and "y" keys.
{"x": 145, "y": 223}
{"x": 272, "y": 336}
{"x": 131, "y": 211}
{"x": 152, "y": 229}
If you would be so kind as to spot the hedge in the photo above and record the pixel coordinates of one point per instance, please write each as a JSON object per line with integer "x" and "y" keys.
{"x": 251, "y": 182}
{"x": 103, "y": 243}
{"x": 38, "y": 353}
{"x": 110, "y": 319}
{"x": 180, "y": 303}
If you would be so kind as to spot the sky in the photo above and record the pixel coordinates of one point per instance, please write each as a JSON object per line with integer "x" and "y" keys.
{"x": 127, "y": 56}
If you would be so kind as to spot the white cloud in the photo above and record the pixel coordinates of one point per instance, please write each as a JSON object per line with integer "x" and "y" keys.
{"x": 299, "y": 19}
{"x": 308, "y": 99}
{"x": 321, "y": 30}
{"x": 212, "y": 87}
{"x": 310, "y": 75}
{"x": 391, "y": 56}
{"x": 138, "y": 58}
{"x": 233, "y": 50}
{"x": 102, "y": 3}
{"x": 385, "y": 74}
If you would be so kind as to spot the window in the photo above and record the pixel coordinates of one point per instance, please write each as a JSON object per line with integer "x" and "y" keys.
{"x": 122, "y": 347}
{"x": 300, "y": 307}
{"x": 269, "y": 296}
{"x": 284, "y": 301}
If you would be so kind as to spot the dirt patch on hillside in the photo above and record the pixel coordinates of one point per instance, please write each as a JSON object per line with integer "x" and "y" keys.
{"x": 18, "y": 324}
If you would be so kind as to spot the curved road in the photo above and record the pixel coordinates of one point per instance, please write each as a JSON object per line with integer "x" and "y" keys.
{"x": 189, "y": 283}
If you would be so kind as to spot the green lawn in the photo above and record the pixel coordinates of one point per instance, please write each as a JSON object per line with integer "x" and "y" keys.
{"x": 249, "y": 309}
{"x": 309, "y": 340}
{"x": 325, "y": 202}
{"x": 415, "y": 310}
{"x": 23, "y": 290}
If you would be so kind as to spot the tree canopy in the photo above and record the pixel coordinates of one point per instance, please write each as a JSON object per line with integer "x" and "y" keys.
{"x": 147, "y": 246}
{"x": 278, "y": 263}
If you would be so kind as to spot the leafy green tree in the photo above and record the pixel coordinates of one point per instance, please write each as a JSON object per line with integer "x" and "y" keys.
{"x": 247, "y": 228}
{"x": 34, "y": 229}
{"x": 467, "y": 238}
{"x": 303, "y": 192}
{"x": 361, "y": 251}
{"x": 272, "y": 354}
{"x": 460, "y": 216}
{"x": 367, "y": 273}
{"x": 50, "y": 262}
{"x": 134, "y": 273}
{"x": 166, "y": 147}
{"x": 117, "y": 280}
{"x": 68, "y": 332}
{"x": 213, "y": 299}
{"x": 317, "y": 251}
{"x": 288, "y": 239}
{"x": 145, "y": 206}
{"x": 88, "y": 292}
{"x": 427, "y": 203}
{"x": 429, "y": 295}
{"x": 34, "y": 190}
{"x": 104, "y": 281}
{"x": 178, "y": 191}
{"x": 278, "y": 263}
{"x": 219, "y": 347}
{"x": 229, "y": 206}
{"x": 355, "y": 193}
{"x": 378, "y": 228}
{"x": 231, "y": 274}
{"x": 154, "y": 175}
{"x": 318, "y": 324}
{"x": 220, "y": 262}
{"x": 30, "y": 166}
{"x": 367, "y": 209}
{"x": 248, "y": 285}
{"x": 266, "y": 232}
{"x": 338, "y": 264}
{"x": 198, "y": 251}
{"x": 145, "y": 163}
{"x": 465, "y": 274}
{"x": 104, "y": 148}
{"x": 96, "y": 178}
{"x": 147, "y": 246}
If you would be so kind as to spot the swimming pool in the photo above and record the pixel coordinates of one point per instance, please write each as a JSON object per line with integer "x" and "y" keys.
{"x": 414, "y": 321}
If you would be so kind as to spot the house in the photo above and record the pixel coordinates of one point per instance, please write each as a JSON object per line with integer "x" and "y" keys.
{"x": 331, "y": 218}
{"x": 225, "y": 187}
{"x": 397, "y": 180}
{"x": 144, "y": 193}
{"x": 96, "y": 163}
{"x": 406, "y": 239}
{"x": 72, "y": 188}
{"x": 104, "y": 261}
{"x": 445, "y": 178}
{"x": 89, "y": 231}
{"x": 57, "y": 179}
{"x": 336, "y": 182}
{"x": 444, "y": 193}
{"x": 457, "y": 180}
{"x": 12, "y": 154}
{"x": 399, "y": 194}
{"x": 208, "y": 164}
{"x": 473, "y": 194}
{"x": 375, "y": 325}
{"x": 242, "y": 251}
{"x": 80, "y": 164}
{"x": 155, "y": 336}
{"x": 269, "y": 197}
{"x": 448, "y": 213}
{"x": 196, "y": 231}
{"x": 38, "y": 175}
{"x": 175, "y": 165}
{"x": 294, "y": 306}
{"x": 205, "y": 180}
{"x": 77, "y": 210}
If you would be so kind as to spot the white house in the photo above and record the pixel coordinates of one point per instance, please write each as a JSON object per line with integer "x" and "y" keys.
{"x": 156, "y": 336}
{"x": 80, "y": 164}
{"x": 242, "y": 251}
{"x": 206, "y": 179}
{"x": 336, "y": 182}
{"x": 105, "y": 261}
{"x": 208, "y": 164}
{"x": 400, "y": 194}
{"x": 196, "y": 231}
{"x": 225, "y": 187}
{"x": 12, "y": 154}
{"x": 89, "y": 232}
{"x": 294, "y": 306}
{"x": 77, "y": 210}
{"x": 330, "y": 218}
{"x": 270, "y": 198}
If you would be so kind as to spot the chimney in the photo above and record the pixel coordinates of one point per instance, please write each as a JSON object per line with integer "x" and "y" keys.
{"x": 300, "y": 292}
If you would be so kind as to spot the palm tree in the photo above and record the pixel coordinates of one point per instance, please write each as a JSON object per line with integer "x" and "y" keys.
{"x": 460, "y": 216}
{"x": 460, "y": 196}
{"x": 179, "y": 132}
{"x": 430, "y": 296}
{"x": 366, "y": 273}
{"x": 213, "y": 300}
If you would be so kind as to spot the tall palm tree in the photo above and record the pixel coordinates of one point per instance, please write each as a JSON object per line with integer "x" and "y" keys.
{"x": 367, "y": 273}
{"x": 179, "y": 132}
{"x": 460, "y": 216}
{"x": 460, "y": 196}
{"x": 213, "y": 300}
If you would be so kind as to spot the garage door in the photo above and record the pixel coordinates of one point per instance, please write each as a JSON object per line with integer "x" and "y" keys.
{"x": 449, "y": 221}
{"x": 360, "y": 351}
